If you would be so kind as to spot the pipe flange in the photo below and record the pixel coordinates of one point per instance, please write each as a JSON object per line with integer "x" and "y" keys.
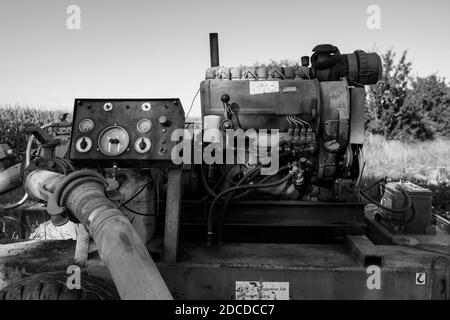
{"x": 55, "y": 208}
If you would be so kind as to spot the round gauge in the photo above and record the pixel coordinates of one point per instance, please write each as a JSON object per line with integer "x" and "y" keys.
{"x": 144, "y": 126}
{"x": 113, "y": 141}
{"x": 86, "y": 125}
{"x": 142, "y": 145}
{"x": 83, "y": 144}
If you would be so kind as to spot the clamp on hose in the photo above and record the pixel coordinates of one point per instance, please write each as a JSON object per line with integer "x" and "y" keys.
{"x": 55, "y": 207}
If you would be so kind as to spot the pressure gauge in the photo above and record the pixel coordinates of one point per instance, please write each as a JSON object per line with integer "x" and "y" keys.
{"x": 83, "y": 144}
{"x": 113, "y": 141}
{"x": 142, "y": 145}
{"x": 144, "y": 125}
{"x": 86, "y": 125}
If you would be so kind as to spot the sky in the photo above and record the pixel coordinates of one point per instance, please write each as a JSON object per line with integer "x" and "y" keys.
{"x": 144, "y": 49}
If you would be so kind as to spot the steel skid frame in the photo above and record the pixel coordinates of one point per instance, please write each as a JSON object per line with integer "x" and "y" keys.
{"x": 366, "y": 263}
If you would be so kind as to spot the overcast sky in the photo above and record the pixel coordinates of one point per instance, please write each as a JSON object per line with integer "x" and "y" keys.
{"x": 161, "y": 48}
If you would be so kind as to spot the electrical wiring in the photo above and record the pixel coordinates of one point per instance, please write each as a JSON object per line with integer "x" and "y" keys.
{"x": 233, "y": 196}
{"x": 298, "y": 120}
{"x": 192, "y": 103}
{"x": 137, "y": 213}
{"x": 289, "y": 120}
{"x": 238, "y": 188}
{"x": 137, "y": 193}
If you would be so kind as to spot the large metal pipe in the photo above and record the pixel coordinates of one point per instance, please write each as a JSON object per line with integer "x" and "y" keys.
{"x": 133, "y": 270}
{"x": 10, "y": 178}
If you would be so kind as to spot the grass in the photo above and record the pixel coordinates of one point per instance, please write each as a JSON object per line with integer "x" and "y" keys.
{"x": 422, "y": 161}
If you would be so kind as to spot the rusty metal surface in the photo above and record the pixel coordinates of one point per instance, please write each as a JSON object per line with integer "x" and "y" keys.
{"x": 262, "y": 111}
{"x": 286, "y": 213}
{"x": 313, "y": 271}
{"x": 365, "y": 251}
{"x": 172, "y": 219}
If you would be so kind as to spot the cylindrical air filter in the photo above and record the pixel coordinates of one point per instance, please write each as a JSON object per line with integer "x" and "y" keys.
{"x": 211, "y": 128}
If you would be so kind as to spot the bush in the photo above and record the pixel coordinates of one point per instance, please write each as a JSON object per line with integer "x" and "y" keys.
{"x": 403, "y": 108}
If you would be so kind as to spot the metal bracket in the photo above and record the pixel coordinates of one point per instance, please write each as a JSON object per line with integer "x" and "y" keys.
{"x": 365, "y": 251}
{"x": 172, "y": 223}
{"x": 42, "y": 136}
{"x": 82, "y": 246}
{"x": 433, "y": 277}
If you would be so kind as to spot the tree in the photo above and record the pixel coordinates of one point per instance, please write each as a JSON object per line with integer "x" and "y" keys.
{"x": 429, "y": 101}
{"x": 385, "y": 99}
{"x": 403, "y": 108}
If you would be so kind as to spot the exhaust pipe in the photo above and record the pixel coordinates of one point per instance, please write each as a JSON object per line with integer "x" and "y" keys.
{"x": 214, "y": 49}
{"x": 133, "y": 270}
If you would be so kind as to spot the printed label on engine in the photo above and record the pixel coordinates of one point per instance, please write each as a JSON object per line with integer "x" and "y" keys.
{"x": 262, "y": 290}
{"x": 261, "y": 87}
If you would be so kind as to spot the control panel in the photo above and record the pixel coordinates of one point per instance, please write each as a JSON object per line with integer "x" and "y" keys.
{"x": 129, "y": 132}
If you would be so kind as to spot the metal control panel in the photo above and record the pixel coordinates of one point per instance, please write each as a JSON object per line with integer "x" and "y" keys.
{"x": 130, "y": 132}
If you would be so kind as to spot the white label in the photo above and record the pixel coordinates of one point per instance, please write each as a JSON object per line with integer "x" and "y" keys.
{"x": 261, "y": 290}
{"x": 421, "y": 278}
{"x": 289, "y": 89}
{"x": 261, "y": 87}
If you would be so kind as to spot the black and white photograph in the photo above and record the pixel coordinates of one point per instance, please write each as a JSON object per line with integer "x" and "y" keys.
{"x": 220, "y": 155}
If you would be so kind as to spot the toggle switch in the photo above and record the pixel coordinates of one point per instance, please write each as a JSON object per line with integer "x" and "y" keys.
{"x": 83, "y": 144}
{"x": 142, "y": 145}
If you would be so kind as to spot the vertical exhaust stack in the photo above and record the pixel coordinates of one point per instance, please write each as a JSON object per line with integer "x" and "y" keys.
{"x": 214, "y": 49}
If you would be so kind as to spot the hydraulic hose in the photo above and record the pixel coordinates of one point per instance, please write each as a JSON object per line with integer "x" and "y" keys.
{"x": 131, "y": 266}
{"x": 211, "y": 191}
{"x": 247, "y": 176}
{"x": 233, "y": 189}
{"x": 233, "y": 196}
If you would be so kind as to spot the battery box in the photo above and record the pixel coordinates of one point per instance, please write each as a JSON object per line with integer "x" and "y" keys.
{"x": 421, "y": 204}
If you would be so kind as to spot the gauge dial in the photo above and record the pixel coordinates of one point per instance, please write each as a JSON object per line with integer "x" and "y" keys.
{"x": 83, "y": 144}
{"x": 144, "y": 125}
{"x": 86, "y": 125}
{"x": 113, "y": 141}
{"x": 142, "y": 145}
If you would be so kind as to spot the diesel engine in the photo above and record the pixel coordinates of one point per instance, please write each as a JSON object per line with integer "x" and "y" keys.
{"x": 317, "y": 108}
